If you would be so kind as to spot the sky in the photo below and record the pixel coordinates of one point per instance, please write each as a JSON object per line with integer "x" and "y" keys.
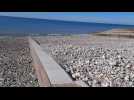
{"x": 98, "y": 17}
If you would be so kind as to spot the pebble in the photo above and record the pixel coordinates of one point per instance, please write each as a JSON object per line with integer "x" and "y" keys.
{"x": 97, "y": 65}
{"x": 16, "y": 68}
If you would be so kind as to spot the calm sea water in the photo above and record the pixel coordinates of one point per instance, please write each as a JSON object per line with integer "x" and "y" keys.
{"x": 27, "y": 26}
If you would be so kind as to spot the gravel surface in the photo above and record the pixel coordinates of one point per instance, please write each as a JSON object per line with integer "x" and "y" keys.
{"x": 16, "y": 68}
{"x": 98, "y": 61}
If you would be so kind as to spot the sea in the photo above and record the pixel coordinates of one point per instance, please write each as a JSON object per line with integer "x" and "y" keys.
{"x": 17, "y": 26}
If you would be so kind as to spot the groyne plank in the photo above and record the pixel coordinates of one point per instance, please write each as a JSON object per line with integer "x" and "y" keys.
{"x": 55, "y": 74}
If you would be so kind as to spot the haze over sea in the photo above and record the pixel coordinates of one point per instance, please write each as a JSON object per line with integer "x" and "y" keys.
{"x": 30, "y": 26}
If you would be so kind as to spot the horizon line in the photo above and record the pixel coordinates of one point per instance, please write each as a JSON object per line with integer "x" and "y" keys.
{"x": 65, "y": 20}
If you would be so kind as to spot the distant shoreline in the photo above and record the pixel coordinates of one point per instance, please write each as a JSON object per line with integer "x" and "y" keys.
{"x": 112, "y": 32}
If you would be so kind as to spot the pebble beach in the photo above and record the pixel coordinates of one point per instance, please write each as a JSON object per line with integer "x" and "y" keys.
{"x": 16, "y": 68}
{"x": 97, "y": 60}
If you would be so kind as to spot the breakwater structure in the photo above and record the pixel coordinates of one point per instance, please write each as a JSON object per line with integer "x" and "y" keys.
{"x": 49, "y": 72}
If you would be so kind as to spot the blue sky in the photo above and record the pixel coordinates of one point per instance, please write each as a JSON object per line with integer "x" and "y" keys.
{"x": 99, "y": 17}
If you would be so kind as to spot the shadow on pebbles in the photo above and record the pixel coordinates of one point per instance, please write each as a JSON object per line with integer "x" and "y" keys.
{"x": 16, "y": 68}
